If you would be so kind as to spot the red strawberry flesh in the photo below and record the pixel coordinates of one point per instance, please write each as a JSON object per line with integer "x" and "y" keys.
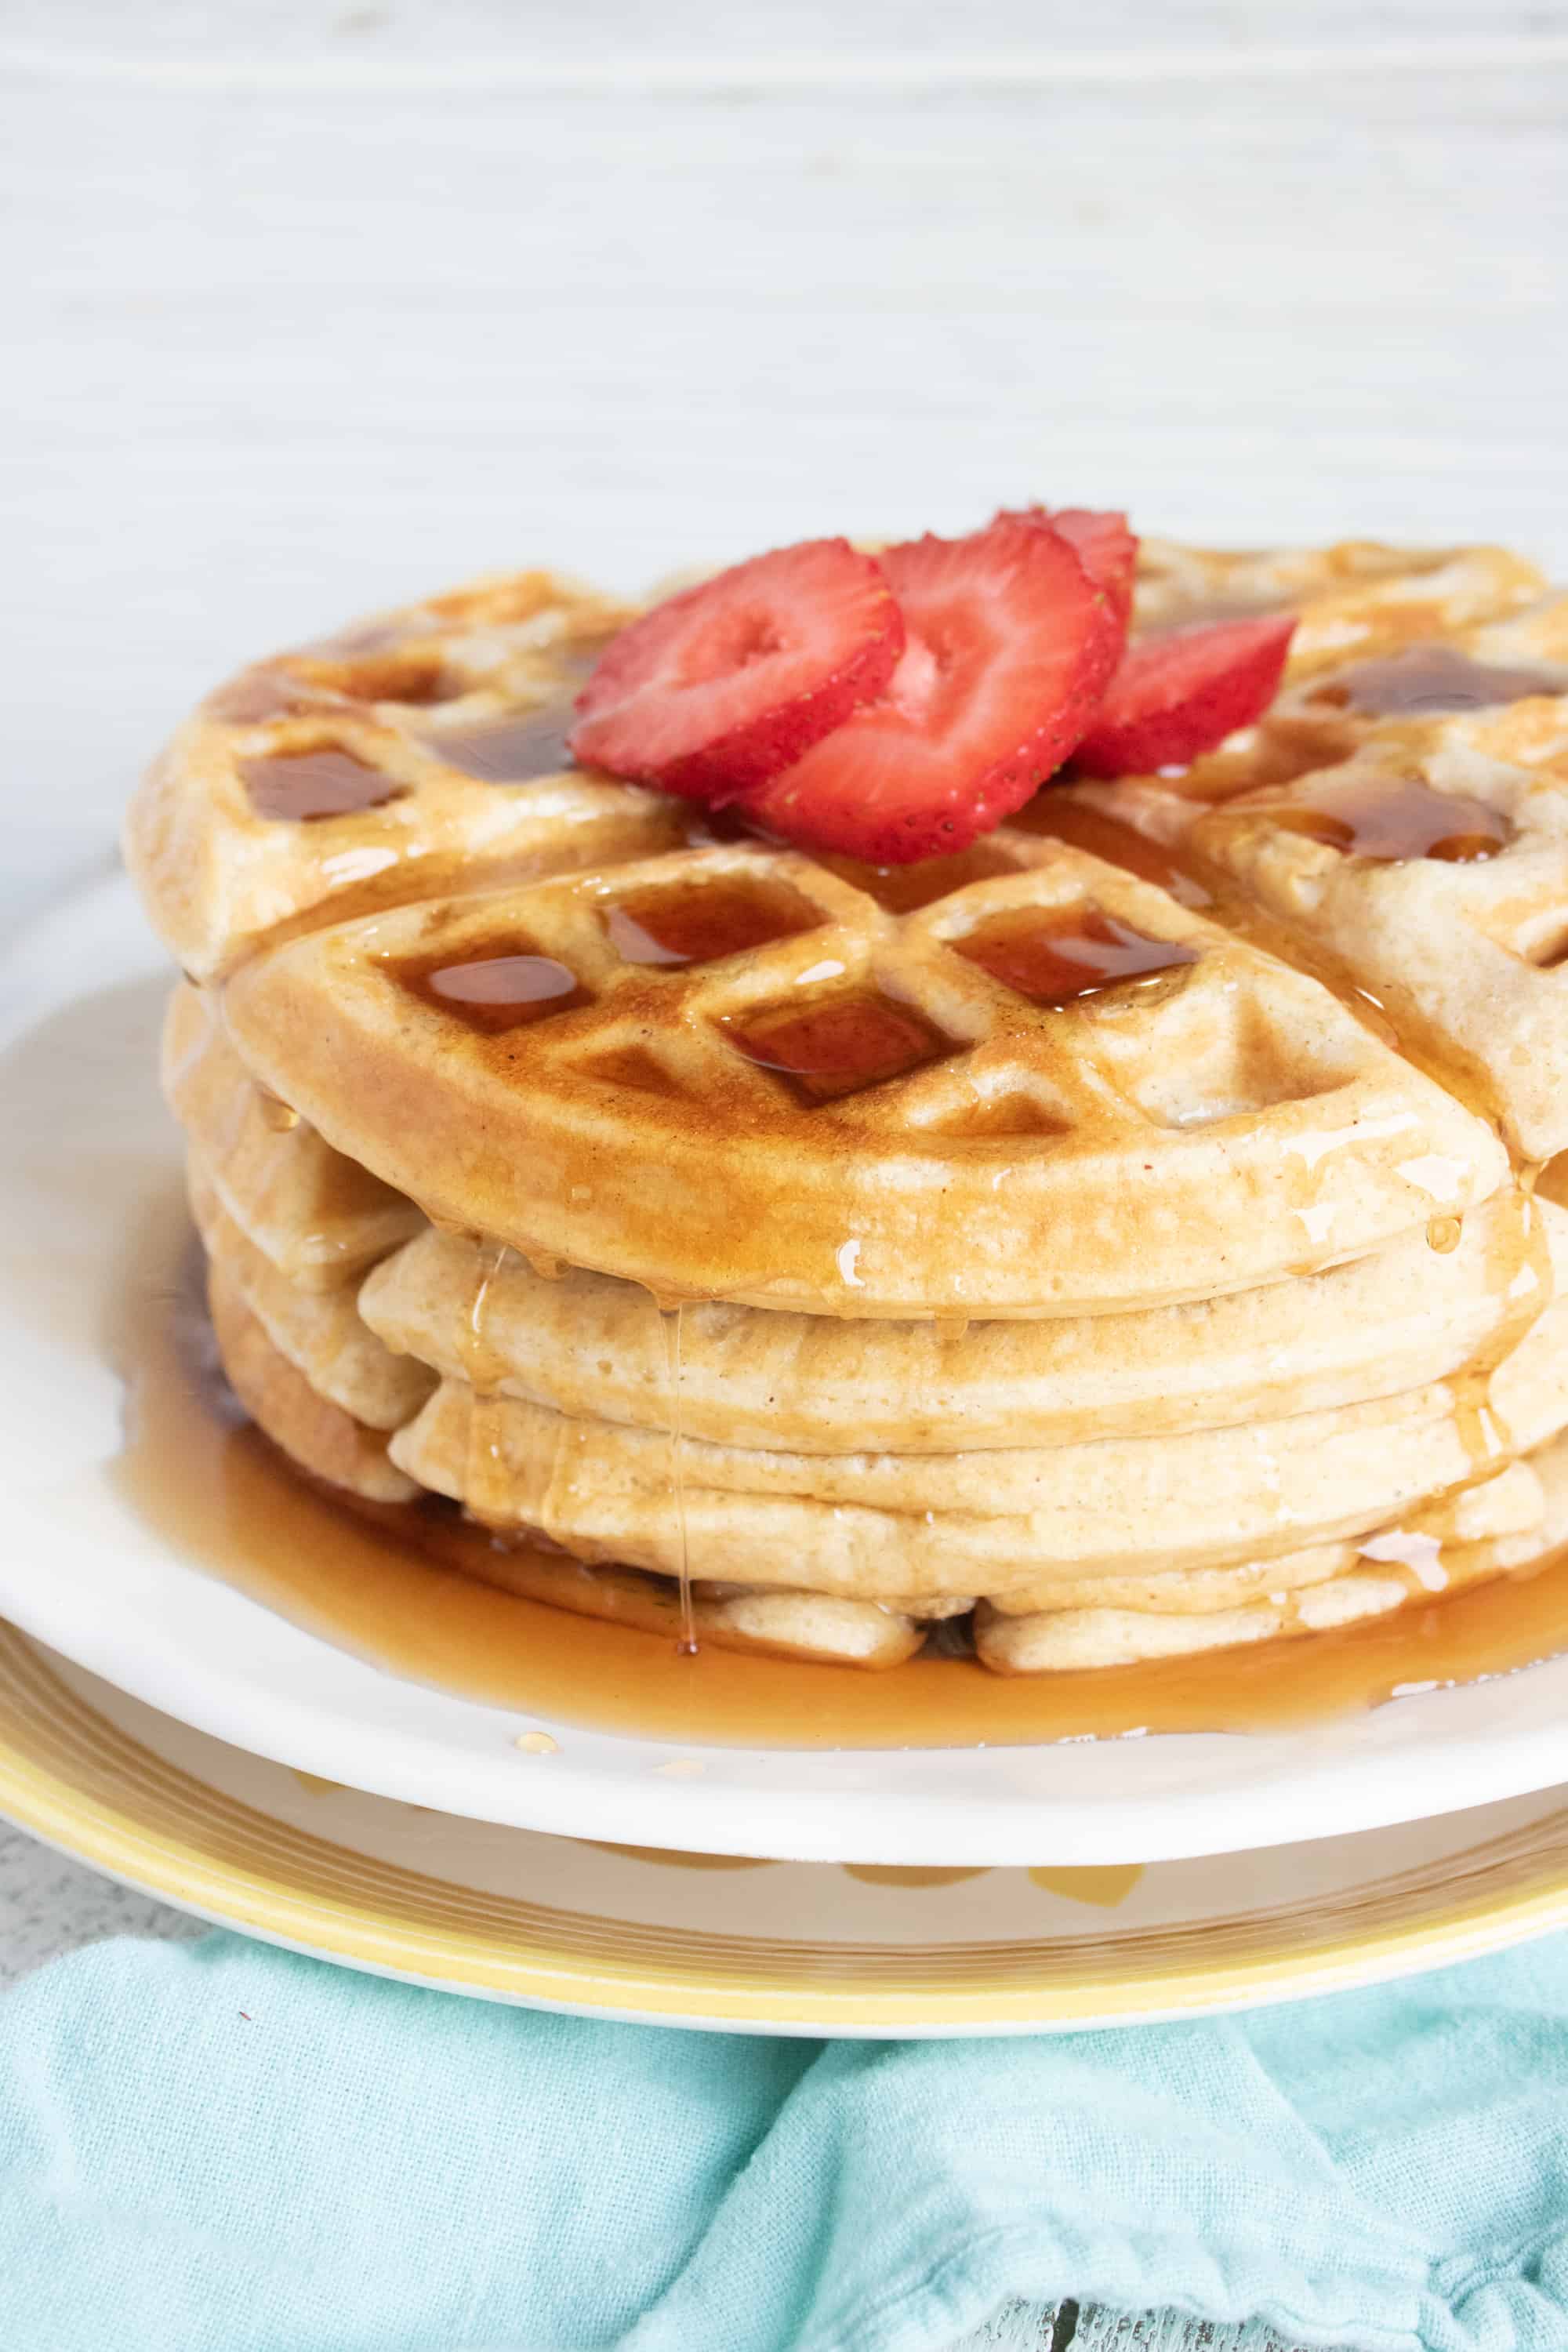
{"x": 1182, "y": 692}
{"x": 1106, "y": 547}
{"x": 721, "y": 688}
{"x": 1010, "y": 643}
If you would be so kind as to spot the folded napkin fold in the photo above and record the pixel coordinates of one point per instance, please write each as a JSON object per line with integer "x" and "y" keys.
{"x": 222, "y": 2147}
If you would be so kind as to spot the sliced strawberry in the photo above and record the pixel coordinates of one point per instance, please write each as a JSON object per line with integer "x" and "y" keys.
{"x": 721, "y": 687}
{"x": 1179, "y": 693}
{"x": 1010, "y": 645}
{"x": 1106, "y": 547}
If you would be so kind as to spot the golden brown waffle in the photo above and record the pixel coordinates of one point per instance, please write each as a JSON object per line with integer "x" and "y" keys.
{"x": 320, "y": 1333}
{"x": 876, "y": 1525}
{"x": 318, "y": 1217}
{"x": 1436, "y": 883}
{"x": 1509, "y": 1503}
{"x": 1068, "y": 1640}
{"x": 316, "y": 1433}
{"x": 322, "y": 1438}
{"x": 1354, "y": 598}
{"x": 1224, "y": 1126}
{"x": 424, "y": 751}
{"x": 825, "y": 1629}
{"x": 596, "y": 1348}
{"x": 499, "y": 1059}
{"x": 1500, "y": 687}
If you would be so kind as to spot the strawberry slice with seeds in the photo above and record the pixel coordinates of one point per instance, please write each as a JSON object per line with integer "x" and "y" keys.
{"x": 1106, "y": 547}
{"x": 1009, "y": 646}
{"x": 1181, "y": 693}
{"x": 717, "y": 690}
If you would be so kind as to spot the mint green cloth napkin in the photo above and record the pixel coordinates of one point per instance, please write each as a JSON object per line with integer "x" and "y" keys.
{"x": 222, "y": 2147}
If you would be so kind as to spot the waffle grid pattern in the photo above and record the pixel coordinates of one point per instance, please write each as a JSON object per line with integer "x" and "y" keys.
{"x": 849, "y": 1108}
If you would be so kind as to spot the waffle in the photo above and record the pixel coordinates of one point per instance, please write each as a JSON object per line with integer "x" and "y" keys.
{"x": 1068, "y": 1640}
{"x": 1356, "y": 597}
{"x": 816, "y": 1237}
{"x": 324, "y": 1440}
{"x": 1462, "y": 948}
{"x": 396, "y": 743}
{"x": 596, "y": 1348}
{"x": 1482, "y": 686}
{"x": 317, "y": 1215}
{"x": 310, "y": 1429}
{"x": 1510, "y": 1504}
{"x": 880, "y": 1524}
{"x": 320, "y": 1333}
{"x": 1283, "y": 1135}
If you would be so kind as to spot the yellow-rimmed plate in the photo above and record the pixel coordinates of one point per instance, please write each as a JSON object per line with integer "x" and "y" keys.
{"x": 807, "y": 1948}
{"x": 90, "y": 1210}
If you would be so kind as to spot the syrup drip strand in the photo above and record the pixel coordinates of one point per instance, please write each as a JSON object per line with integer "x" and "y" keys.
{"x": 670, "y": 1324}
{"x": 485, "y": 1481}
{"x": 425, "y": 1595}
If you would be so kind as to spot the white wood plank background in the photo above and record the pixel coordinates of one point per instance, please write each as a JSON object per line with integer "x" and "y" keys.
{"x": 310, "y": 309}
{"x": 306, "y": 310}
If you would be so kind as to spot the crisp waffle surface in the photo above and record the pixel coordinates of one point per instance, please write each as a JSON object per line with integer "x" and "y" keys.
{"x": 391, "y": 742}
{"x": 1124, "y": 1236}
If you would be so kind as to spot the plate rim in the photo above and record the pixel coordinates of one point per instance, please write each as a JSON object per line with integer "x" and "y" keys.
{"x": 159, "y": 1833}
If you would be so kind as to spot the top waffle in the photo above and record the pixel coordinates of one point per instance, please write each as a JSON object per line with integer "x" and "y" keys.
{"x": 552, "y": 1009}
{"x": 419, "y": 751}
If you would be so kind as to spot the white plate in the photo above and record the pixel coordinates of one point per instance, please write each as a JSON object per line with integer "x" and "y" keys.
{"x": 91, "y": 1155}
{"x": 770, "y": 1946}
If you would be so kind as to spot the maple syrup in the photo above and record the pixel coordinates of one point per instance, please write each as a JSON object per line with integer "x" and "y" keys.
{"x": 1209, "y": 612}
{"x": 419, "y": 1592}
{"x": 305, "y": 785}
{"x": 505, "y": 988}
{"x": 838, "y": 1045}
{"x": 486, "y": 1483}
{"x": 410, "y": 673}
{"x": 1427, "y": 681}
{"x": 1058, "y": 816}
{"x": 517, "y": 750}
{"x": 259, "y": 695}
{"x": 699, "y": 921}
{"x": 1384, "y": 820}
{"x": 1056, "y": 956}
{"x": 903, "y": 889}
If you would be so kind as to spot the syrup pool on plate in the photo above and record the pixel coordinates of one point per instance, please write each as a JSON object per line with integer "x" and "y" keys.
{"x": 422, "y": 1593}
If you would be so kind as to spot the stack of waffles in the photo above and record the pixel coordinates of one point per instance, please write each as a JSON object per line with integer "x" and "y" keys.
{"x": 1135, "y": 1236}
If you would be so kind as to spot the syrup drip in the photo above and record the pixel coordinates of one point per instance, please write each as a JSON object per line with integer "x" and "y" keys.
{"x": 1055, "y": 957}
{"x": 839, "y": 1045}
{"x": 485, "y": 1483}
{"x": 671, "y": 1330}
{"x": 280, "y": 1116}
{"x": 1425, "y": 681}
{"x": 417, "y": 1591}
{"x": 1189, "y": 877}
{"x": 1385, "y": 820}
{"x": 301, "y": 786}
{"x": 698, "y": 923}
{"x": 497, "y": 990}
